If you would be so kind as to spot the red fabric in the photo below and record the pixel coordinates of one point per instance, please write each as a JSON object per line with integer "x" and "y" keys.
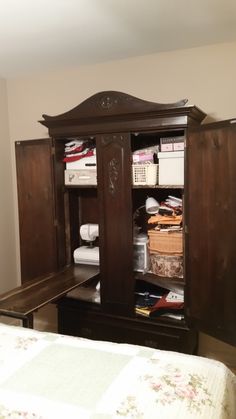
{"x": 75, "y": 158}
{"x": 162, "y": 303}
{"x": 75, "y": 150}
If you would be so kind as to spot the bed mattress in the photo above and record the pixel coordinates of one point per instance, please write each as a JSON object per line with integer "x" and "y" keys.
{"x": 46, "y": 375}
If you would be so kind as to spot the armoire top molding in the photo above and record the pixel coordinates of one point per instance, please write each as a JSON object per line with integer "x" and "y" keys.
{"x": 112, "y": 105}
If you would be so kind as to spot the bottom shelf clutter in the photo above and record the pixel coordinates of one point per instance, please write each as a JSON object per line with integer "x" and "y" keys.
{"x": 158, "y": 302}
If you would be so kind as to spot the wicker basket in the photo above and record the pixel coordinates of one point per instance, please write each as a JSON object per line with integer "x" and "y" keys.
{"x": 166, "y": 242}
{"x": 145, "y": 174}
{"x": 170, "y": 266}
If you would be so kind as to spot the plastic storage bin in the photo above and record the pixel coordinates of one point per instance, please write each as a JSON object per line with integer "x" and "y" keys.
{"x": 145, "y": 174}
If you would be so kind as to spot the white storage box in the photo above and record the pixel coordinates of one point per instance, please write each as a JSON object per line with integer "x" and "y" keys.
{"x": 145, "y": 174}
{"x": 171, "y": 168}
{"x": 84, "y": 163}
{"x": 172, "y": 143}
{"x": 81, "y": 177}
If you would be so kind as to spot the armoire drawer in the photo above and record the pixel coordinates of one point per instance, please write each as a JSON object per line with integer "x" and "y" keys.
{"x": 86, "y": 323}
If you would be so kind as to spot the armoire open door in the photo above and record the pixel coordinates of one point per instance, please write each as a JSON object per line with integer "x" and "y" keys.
{"x": 36, "y": 203}
{"x": 210, "y": 232}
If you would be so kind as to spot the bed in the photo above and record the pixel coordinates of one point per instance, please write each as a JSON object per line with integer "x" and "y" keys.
{"x": 46, "y": 375}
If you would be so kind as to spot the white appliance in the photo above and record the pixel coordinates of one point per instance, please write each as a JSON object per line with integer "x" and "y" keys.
{"x": 152, "y": 206}
{"x": 89, "y": 254}
{"x": 140, "y": 253}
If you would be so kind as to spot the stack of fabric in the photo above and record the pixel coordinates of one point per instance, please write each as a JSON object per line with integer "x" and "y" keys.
{"x": 76, "y": 150}
{"x": 169, "y": 215}
{"x": 166, "y": 239}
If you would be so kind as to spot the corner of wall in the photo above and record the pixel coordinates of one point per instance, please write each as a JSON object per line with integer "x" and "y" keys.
{"x": 8, "y": 261}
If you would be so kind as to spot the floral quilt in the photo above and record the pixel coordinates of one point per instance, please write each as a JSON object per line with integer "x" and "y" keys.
{"x": 50, "y": 376}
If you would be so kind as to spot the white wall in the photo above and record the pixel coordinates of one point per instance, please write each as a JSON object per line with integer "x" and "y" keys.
{"x": 205, "y": 75}
{"x": 8, "y": 266}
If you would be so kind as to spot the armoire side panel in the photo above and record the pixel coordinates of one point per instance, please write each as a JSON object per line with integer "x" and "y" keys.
{"x": 115, "y": 225}
{"x": 211, "y": 230}
{"x": 36, "y": 206}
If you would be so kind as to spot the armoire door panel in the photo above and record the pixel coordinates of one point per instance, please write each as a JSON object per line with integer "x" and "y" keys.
{"x": 211, "y": 230}
{"x": 115, "y": 228}
{"x": 36, "y": 208}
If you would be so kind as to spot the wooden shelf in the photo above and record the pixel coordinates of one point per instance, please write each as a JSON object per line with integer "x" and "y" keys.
{"x": 172, "y": 284}
{"x": 88, "y": 294}
{"x": 133, "y": 186}
{"x": 157, "y": 186}
{"x": 80, "y": 186}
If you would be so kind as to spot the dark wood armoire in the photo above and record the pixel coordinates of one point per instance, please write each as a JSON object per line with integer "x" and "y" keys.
{"x": 51, "y": 214}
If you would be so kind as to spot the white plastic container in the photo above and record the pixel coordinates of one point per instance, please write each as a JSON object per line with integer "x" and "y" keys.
{"x": 141, "y": 256}
{"x": 171, "y": 168}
